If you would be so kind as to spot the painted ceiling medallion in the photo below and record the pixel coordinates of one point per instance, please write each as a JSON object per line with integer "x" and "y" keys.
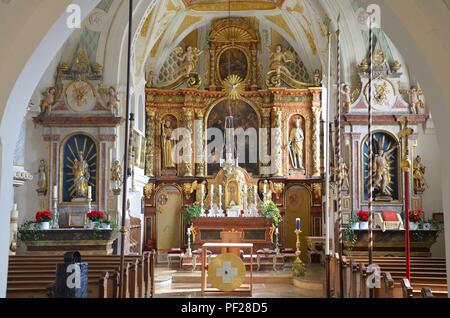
{"x": 233, "y": 86}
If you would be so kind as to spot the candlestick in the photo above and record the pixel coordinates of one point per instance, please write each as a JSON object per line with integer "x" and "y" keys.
{"x": 55, "y": 192}
{"x": 298, "y": 223}
{"x": 188, "y": 250}
{"x": 189, "y": 231}
{"x": 298, "y": 261}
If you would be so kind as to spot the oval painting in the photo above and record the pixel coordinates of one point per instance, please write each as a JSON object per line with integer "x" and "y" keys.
{"x": 233, "y": 61}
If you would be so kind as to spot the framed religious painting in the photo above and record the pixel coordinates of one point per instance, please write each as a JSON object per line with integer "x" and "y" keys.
{"x": 232, "y": 61}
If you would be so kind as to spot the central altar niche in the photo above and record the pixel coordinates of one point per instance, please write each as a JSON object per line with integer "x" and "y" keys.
{"x": 246, "y": 122}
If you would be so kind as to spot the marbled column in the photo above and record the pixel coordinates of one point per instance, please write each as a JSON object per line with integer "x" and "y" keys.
{"x": 276, "y": 147}
{"x": 150, "y": 142}
{"x": 199, "y": 146}
{"x": 187, "y": 124}
{"x": 316, "y": 112}
{"x": 264, "y": 142}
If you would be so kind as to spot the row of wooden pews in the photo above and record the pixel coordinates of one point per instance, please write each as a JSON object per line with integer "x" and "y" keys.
{"x": 428, "y": 277}
{"x": 33, "y": 276}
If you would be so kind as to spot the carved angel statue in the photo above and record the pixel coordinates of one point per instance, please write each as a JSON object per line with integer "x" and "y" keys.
{"x": 347, "y": 93}
{"x": 113, "y": 101}
{"x": 278, "y": 60}
{"x": 116, "y": 175}
{"x": 345, "y": 177}
{"x": 419, "y": 175}
{"x": 417, "y": 103}
{"x": 189, "y": 59}
{"x": 42, "y": 178}
{"x": 317, "y": 77}
{"x": 381, "y": 168}
{"x": 266, "y": 188}
{"x": 48, "y": 101}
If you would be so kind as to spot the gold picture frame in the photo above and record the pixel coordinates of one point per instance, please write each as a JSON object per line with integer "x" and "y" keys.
{"x": 77, "y": 220}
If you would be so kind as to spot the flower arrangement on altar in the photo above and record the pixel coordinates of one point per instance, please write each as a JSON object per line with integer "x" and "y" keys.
{"x": 43, "y": 216}
{"x": 363, "y": 216}
{"x": 96, "y": 216}
{"x": 416, "y": 216}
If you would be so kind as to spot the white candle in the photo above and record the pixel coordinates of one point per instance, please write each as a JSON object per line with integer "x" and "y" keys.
{"x": 189, "y": 231}
{"x": 89, "y": 192}
{"x": 276, "y": 230}
{"x": 264, "y": 188}
{"x": 245, "y": 188}
{"x": 220, "y": 189}
{"x": 55, "y": 192}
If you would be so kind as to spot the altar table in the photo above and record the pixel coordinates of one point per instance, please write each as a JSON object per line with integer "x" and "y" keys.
{"x": 59, "y": 241}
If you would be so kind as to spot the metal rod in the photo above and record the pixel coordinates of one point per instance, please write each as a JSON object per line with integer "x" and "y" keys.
{"x": 327, "y": 169}
{"x": 123, "y": 229}
{"x": 340, "y": 160}
{"x": 370, "y": 167}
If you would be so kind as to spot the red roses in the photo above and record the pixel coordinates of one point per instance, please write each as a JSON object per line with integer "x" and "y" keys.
{"x": 96, "y": 216}
{"x": 43, "y": 216}
{"x": 416, "y": 216}
{"x": 363, "y": 216}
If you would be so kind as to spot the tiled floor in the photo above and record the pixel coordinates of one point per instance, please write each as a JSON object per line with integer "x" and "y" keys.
{"x": 187, "y": 284}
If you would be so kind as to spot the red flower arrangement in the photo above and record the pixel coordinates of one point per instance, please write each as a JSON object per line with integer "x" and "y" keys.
{"x": 96, "y": 216}
{"x": 43, "y": 216}
{"x": 416, "y": 216}
{"x": 363, "y": 216}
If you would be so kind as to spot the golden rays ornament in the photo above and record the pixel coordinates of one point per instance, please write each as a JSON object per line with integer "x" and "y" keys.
{"x": 233, "y": 86}
{"x": 226, "y": 272}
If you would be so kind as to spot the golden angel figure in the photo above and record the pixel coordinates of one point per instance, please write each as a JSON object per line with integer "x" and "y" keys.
{"x": 189, "y": 59}
{"x": 167, "y": 145}
{"x": 81, "y": 176}
{"x": 116, "y": 175}
{"x": 419, "y": 175}
{"x": 416, "y": 102}
{"x": 48, "y": 101}
{"x": 279, "y": 59}
{"x": 346, "y": 92}
{"x": 113, "y": 101}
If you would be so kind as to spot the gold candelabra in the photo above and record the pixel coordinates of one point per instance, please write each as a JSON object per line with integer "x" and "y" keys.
{"x": 297, "y": 245}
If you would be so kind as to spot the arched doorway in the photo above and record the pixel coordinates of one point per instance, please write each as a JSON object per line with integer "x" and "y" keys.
{"x": 168, "y": 218}
{"x": 298, "y": 205}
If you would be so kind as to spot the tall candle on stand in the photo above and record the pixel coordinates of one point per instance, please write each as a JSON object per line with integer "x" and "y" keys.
{"x": 89, "y": 192}
{"x": 55, "y": 192}
{"x": 298, "y": 223}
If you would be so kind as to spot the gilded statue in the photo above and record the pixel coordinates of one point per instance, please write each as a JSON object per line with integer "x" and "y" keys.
{"x": 199, "y": 189}
{"x": 381, "y": 168}
{"x": 148, "y": 190}
{"x": 48, "y": 101}
{"x": 317, "y": 77}
{"x": 81, "y": 176}
{"x": 42, "y": 178}
{"x": 419, "y": 175}
{"x": 189, "y": 59}
{"x": 417, "y": 103}
{"x": 116, "y": 176}
{"x": 296, "y": 139}
{"x": 167, "y": 144}
{"x": 113, "y": 101}
{"x": 347, "y": 93}
{"x": 278, "y": 60}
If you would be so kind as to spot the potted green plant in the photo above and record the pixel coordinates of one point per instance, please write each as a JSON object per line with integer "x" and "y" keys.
{"x": 191, "y": 212}
{"x": 271, "y": 212}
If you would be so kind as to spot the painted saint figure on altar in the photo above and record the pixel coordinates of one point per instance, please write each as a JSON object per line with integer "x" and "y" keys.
{"x": 167, "y": 145}
{"x": 382, "y": 175}
{"x": 296, "y": 139}
{"x": 419, "y": 175}
{"x": 81, "y": 176}
{"x": 42, "y": 178}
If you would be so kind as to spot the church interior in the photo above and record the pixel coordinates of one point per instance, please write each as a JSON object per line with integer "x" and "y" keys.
{"x": 239, "y": 148}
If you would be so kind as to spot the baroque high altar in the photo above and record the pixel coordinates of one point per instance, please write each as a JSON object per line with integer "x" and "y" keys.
{"x": 200, "y": 96}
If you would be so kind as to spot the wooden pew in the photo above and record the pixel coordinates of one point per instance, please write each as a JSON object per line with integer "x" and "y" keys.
{"x": 140, "y": 276}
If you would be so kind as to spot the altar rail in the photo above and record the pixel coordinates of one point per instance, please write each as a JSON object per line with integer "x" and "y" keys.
{"x": 32, "y": 276}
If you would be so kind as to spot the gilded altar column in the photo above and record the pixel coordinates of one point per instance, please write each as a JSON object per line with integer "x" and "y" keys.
{"x": 264, "y": 141}
{"x": 316, "y": 112}
{"x": 150, "y": 142}
{"x": 254, "y": 85}
{"x": 212, "y": 68}
{"x": 199, "y": 146}
{"x": 187, "y": 140}
{"x": 276, "y": 148}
